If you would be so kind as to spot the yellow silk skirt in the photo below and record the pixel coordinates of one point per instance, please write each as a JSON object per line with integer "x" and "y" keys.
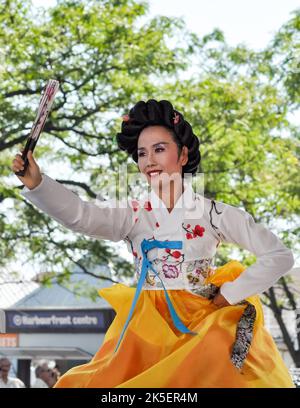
{"x": 154, "y": 354}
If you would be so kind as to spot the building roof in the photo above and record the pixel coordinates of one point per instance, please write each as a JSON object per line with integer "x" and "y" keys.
{"x": 12, "y": 292}
{"x": 22, "y": 295}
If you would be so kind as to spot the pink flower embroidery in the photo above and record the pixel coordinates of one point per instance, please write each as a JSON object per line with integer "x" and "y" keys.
{"x": 135, "y": 205}
{"x": 195, "y": 232}
{"x": 198, "y": 231}
{"x": 174, "y": 254}
{"x": 147, "y": 206}
{"x": 170, "y": 271}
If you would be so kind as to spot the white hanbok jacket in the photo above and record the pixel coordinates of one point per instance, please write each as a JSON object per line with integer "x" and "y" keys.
{"x": 200, "y": 223}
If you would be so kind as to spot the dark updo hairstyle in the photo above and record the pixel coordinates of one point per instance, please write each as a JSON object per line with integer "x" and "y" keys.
{"x": 161, "y": 113}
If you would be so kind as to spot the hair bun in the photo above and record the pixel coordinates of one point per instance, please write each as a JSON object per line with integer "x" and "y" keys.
{"x": 162, "y": 113}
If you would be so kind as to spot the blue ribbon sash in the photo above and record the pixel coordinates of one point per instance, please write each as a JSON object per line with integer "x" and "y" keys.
{"x": 147, "y": 245}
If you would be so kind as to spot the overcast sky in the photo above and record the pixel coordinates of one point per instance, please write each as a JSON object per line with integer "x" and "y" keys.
{"x": 250, "y": 22}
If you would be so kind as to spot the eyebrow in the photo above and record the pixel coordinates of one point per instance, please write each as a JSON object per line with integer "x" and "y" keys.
{"x": 155, "y": 144}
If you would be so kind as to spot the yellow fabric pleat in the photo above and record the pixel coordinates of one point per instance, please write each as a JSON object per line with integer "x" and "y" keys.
{"x": 153, "y": 353}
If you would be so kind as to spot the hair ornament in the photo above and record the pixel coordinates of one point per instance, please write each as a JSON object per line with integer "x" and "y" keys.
{"x": 125, "y": 118}
{"x": 176, "y": 118}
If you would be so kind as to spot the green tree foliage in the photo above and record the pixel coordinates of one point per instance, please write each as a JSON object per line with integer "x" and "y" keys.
{"x": 107, "y": 55}
{"x": 105, "y": 61}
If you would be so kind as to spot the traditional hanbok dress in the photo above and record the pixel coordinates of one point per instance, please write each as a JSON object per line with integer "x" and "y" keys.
{"x": 167, "y": 332}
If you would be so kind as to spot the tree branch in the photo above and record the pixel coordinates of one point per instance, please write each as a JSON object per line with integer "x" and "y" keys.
{"x": 84, "y": 186}
{"x": 286, "y": 336}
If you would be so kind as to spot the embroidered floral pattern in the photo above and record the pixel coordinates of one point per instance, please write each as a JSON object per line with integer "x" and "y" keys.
{"x": 134, "y": 205}
{"x": 195, "y": 232}
{"x": 150, "y": 279}
{"x": 174, "y": 254}
{"x": 170, "y": 271}
{"x": 197, "y": 271}
{"x": 244, "y": 335}
{"x": 148, "y": 206}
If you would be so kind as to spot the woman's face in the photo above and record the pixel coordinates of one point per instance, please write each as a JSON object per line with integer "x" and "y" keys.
{"x": 158, "y": 152}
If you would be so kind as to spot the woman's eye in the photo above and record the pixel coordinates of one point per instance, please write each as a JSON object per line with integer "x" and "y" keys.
{"x": 158, "y": 149}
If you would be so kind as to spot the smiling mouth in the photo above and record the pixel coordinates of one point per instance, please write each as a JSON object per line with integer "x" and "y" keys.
{"x": 154, "y": 173}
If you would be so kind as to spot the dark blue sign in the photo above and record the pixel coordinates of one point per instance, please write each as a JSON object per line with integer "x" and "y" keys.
{"x": 66, "y": 321}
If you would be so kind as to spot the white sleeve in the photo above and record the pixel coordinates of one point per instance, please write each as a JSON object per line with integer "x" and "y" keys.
{"x": 102, "y": 219}
{"x": 274, "y": 259}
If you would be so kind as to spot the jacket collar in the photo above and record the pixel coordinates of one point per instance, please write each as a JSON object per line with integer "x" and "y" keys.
{"x": 186, "y": 199}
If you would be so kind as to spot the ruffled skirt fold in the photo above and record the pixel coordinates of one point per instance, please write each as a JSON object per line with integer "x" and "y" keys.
{"x": 154, "y": 354}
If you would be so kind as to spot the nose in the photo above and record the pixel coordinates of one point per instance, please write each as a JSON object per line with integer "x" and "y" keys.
{"x": 150, "y": 162}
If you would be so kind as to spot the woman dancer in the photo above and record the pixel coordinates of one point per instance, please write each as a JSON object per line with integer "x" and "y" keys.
{"x": 187, "y": 323}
